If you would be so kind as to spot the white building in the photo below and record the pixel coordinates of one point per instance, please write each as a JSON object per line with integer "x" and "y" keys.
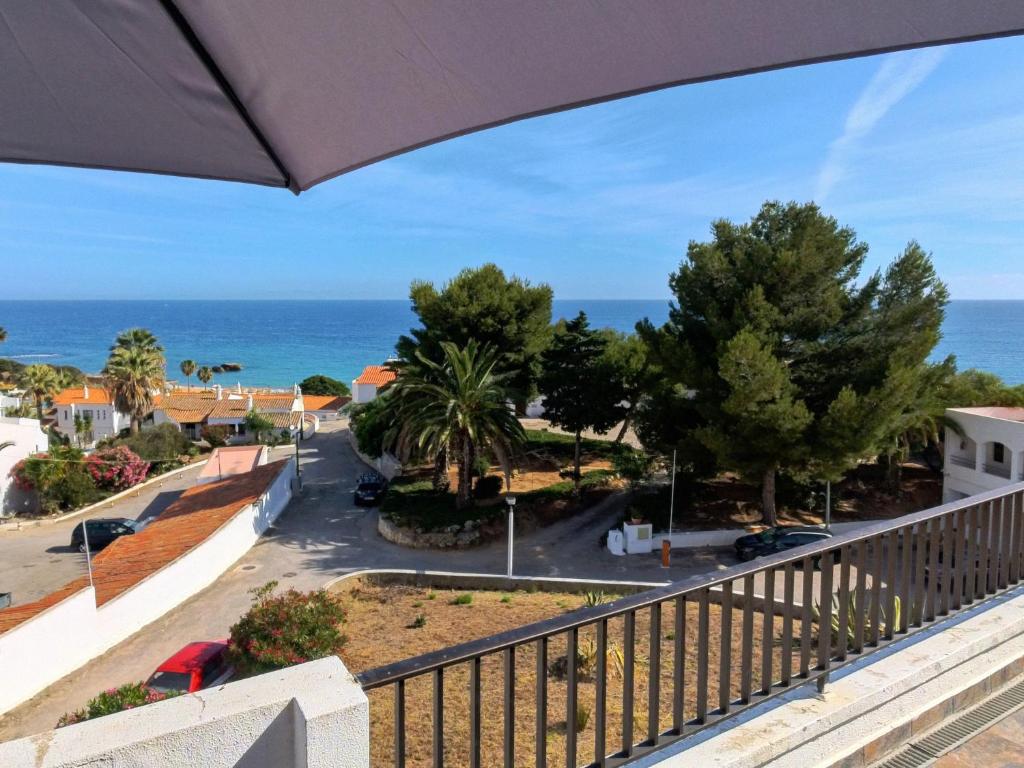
{"x": 92, "y": 405}
{"x": 9, "y": 399}
{"x": 373, "y": 379}
{"x": 988, "y": 455}
{"x": 19, "y": 438}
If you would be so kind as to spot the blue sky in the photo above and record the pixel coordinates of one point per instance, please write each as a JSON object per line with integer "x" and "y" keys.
{"x": 599, "y": 202}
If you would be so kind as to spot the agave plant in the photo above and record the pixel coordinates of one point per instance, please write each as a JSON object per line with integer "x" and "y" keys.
{"x": 884, "y": 620}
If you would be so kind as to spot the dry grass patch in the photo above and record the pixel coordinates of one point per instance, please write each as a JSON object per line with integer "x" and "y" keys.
{"x": 388, "y": 624}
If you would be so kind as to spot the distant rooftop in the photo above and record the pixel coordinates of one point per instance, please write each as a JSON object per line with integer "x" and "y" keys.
{"x": 231, "y": 460}
{"x": 994, "y": 412}
{"x": 377, "y": 375}
{"x": 82, "y": 396}
{"x": 324, "y": 402}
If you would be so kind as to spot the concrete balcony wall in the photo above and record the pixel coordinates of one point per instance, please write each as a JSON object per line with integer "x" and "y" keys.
{"x": 311, "y": 716}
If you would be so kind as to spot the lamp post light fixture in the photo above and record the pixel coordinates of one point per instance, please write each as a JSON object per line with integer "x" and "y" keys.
{"x": 511, "y": 501}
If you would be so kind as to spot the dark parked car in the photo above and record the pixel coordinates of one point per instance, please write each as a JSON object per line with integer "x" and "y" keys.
{"x": 370, "y": 489}
{"x": 780, "y": 539}
{"x": 102, "y": 531}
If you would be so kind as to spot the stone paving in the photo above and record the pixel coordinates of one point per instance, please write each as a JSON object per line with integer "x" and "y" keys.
{"x": 999, "y": 746}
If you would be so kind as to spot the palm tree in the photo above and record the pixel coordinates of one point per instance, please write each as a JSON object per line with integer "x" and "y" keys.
{"x": 460, "y": 404}
{"x": 137, "y": 338}
{"x": 3, "y": 334}
{"x": 133, "y": 374}
{"x": 65, "y": 378}
{"x": 188, "y": 367}
{"x": 205, "y": 375}
{"x": 41, "y": 381}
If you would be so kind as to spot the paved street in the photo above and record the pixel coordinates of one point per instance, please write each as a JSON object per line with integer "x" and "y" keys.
{"x": 320, "y": 536}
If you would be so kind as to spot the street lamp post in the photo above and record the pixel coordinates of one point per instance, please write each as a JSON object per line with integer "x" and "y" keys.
{"x": 511, "y": 501}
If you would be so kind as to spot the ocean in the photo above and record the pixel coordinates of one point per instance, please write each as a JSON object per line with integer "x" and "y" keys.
{"x": 282, "y": 342}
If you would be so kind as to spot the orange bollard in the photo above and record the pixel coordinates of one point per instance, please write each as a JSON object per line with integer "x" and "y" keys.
{"x": 666, "y": 553}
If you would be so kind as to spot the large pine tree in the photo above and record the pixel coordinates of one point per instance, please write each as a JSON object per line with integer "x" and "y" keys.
{"x": 485, "y": 306}
{"x": 790, "y": 361}
{"x": 580, "y": 387}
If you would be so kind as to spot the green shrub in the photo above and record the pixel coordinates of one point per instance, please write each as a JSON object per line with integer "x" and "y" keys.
{"x": 633, "y": 466}
{"x": 488, "y": 486}
{"x": 480, "y": 466}
{"x": 216, "y": 435}
{"x": 281, "y": 630}
{"x": 590, "y": 599}
{"x": 465, "y": 599}
{"x": 163, "y": 446}
{"x": 128, "y": 696}
{"x": 323, "y": 385}
{"x": 419, "y": 622}
{"x": 59, "y": 477}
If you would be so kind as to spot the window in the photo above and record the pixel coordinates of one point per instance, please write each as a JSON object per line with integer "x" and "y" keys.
{"x": 213, "y": 669}
{"x": 998, "y": 453}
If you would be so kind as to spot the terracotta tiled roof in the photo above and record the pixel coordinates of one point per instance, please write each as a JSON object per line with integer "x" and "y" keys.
{"x": 376, "y": 374}
{"x": 76, "y": 396}
{"x": 324, "y": 402}
{"x": 195, "y": 407}
{"x": 284, "y": 420}
{"x": 185, "y": 524}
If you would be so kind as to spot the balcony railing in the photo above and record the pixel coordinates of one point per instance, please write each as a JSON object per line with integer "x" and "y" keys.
{"x": 964, "y": 461}
{"x": 999, "y": 470}
{"x": 662, "y": 665}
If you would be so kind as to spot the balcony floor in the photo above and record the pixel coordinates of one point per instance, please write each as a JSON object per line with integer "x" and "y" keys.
{"x": 999, "y": 746}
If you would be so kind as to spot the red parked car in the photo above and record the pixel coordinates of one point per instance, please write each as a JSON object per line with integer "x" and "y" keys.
{"x": 194, "y": 667}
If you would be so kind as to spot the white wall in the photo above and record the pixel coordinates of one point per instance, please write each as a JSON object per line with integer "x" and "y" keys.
{"x": 106, "y": 420}
{"x": 28, "y": 438}
{"x": 41, "y": 651}
{"x": 29, "y": 662}
{"x": 312, "y": 715}
{"x": 363, "y": 393}
{"x": 980, "y": 433}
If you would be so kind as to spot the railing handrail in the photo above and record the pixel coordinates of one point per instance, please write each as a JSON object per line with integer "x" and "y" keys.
{"x": 455, "y": 654}
{"x": 964, "y": 461}
{"x": 999, "y": 470}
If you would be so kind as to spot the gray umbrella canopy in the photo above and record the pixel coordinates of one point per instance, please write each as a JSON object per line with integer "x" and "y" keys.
{"x": 290, "y": 93}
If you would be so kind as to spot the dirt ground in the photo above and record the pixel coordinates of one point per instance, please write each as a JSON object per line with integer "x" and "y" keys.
{"x": 728, "y": 502}
{"x": 382, "y": 627}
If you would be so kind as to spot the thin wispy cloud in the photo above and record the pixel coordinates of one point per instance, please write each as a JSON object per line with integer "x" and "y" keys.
{"x": 898, "y": 75}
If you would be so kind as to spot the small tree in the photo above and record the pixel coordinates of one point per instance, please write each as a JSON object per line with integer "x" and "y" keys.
{"x": 290, "y": 628}
{"x": 579, "y": 388}
{"x": 216, "y": 435}
{"x": 162, "y": 446}
{"x": 83, "y": 429}
{"x": 258, "y": 424}
{"x": 633, "y": 466}
{"x": 58, "y": 477}
{"x": 627, "y": 357}
{"x": 323, "y": 385}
